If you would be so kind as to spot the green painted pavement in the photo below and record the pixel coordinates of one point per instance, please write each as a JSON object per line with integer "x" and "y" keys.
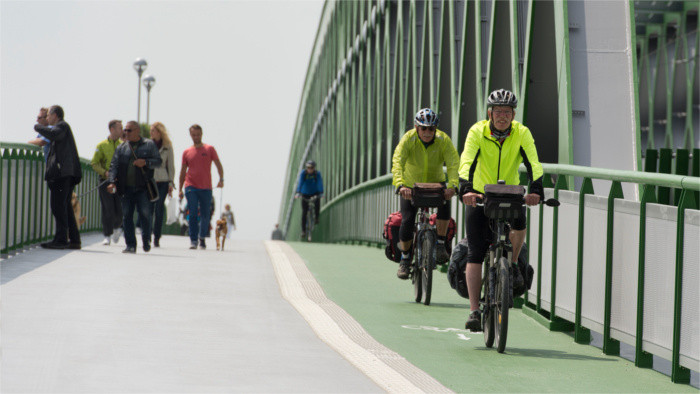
{"x": 363, "y": 282}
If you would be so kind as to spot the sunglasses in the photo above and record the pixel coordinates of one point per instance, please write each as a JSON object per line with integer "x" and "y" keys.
{"x": 431, "y": 128}
{"x": 127, "y": 130}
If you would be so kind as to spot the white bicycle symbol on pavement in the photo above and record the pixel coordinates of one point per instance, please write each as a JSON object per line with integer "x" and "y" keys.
{"x": 459, "y": 331}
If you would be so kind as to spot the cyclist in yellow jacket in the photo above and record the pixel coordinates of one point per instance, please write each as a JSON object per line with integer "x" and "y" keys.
{"x": 419, "y": 157}
{"x": 494, "y": 150}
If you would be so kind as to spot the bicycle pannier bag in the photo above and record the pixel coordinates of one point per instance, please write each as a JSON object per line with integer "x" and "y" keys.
{"x": 391, "y": 234}
{"x": 458, "y": 263}
{"x": 428, "y": 195}
{"x": 503, "y": 201}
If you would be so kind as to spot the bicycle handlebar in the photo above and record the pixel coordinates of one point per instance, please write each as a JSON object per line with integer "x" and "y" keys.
{"x": 552, "y": 202}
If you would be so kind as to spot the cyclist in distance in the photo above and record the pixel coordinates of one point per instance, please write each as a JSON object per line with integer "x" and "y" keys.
{"x": 494, "y": 149}
{"x": 419, "y": 157}
{"x": 309, "y": 183}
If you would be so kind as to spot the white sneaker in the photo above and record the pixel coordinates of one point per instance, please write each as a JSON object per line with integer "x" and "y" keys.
{"x": 107, "y": 241}
{"x": 116, "y": 234}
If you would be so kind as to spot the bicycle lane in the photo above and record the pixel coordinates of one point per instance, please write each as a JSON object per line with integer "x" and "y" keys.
{"x": 362, "y": 282}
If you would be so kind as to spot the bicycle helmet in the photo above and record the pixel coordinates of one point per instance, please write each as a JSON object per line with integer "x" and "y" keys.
{"x": 502, "y": 97}
{"x": 426, "y": 117}
{"x": 311, "y": 163}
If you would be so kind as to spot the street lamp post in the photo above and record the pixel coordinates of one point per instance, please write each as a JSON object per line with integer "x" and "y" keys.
{"x": 148, "y": 82}
{"x": 140, "y": 65}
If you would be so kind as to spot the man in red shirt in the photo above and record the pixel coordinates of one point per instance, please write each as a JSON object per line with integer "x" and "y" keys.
{"x": 195, "y": 184}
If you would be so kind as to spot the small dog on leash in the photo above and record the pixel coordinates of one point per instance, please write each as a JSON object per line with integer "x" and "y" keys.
{"x": 221, "y": 231}
{"x": 79, "y": 220}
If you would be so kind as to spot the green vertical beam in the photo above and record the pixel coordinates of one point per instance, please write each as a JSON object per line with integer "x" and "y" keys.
{"x": 682, "y": 167}
{"x": 642, "y": 359}
{"x": 610, "y": 346}
{"x": 560, "y": 185}
{"x": 561, "y": 24}
{"x": 4, "y": 184}
{"x": 680, "y": 374}
{"x": 546, "y": 182}
{"x": 665, "y": 162}
{"x": 635, "y": 79}
{"x": 581, "y": 334}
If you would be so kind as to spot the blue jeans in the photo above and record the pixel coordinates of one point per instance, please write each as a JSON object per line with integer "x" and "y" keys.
{"x": 159, "y": 208}
{"x": 198, "y": 200}
{"x": 134, "y": 198}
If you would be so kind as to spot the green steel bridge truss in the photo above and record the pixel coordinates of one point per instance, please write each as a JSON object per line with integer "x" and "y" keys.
{"x": 601, "y": 84}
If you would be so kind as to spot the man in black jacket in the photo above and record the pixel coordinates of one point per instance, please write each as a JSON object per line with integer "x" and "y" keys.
{"x": 131, "y": 168}
{"x": 62, "y": 174}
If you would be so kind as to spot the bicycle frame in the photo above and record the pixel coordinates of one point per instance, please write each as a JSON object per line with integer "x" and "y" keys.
{"x": 310, "y": 216}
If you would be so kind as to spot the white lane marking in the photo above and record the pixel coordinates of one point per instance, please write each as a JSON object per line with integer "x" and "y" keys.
{"x": 329, "y": 330}
{"x": 463, "y": 337}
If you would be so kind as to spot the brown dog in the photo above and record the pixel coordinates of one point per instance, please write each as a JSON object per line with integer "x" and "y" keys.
{"x": 79, "y": 220}
{"x": 221, "y": 230}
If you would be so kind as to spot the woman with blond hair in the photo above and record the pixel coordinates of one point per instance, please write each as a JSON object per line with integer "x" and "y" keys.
{"x": 163, "y": 175}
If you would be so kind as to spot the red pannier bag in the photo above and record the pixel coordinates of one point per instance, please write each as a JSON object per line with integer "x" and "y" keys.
{"x": 391, "y": 234}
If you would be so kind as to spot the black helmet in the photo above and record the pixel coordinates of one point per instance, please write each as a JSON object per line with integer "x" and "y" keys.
{"x": 502, "y": 97}
{"x": 311, "y": 163}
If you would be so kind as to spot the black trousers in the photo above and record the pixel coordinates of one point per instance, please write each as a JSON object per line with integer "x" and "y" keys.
{"x": 111, "y": 211}
{"x": 62, "y": 210}
{"x": 408, "y": 218}
{"x": 305, "y": 209}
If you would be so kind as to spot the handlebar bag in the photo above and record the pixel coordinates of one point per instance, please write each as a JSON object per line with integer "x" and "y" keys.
{"x": 503, "y": 201}
{"x": 428, "y": 195}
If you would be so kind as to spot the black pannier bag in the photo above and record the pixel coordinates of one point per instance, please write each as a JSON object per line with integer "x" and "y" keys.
{"x": 503, "y": 201}
{"x": 428, "y": 195}
{"x": 458, "y": 263}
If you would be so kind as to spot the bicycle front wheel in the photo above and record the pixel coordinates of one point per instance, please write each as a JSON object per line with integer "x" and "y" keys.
{"x": 487, "y": 318}
{"x": 500, "y": 315}
{"x": 417, "y": 278}
{"x": 309, "y": 224}
{"x": 427, "y": 259}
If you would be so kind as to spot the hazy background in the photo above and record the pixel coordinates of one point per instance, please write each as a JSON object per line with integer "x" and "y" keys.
{"x": 235, "y": 67}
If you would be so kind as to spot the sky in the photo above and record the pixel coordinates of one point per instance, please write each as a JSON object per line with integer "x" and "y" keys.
{"x": 237, "y": 68}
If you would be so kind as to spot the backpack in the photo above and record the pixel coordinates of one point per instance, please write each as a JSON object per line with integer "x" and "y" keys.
{"x": 458, "y": 263}
{"x": 391, "y": 234}
{"x": 451, "y": 230}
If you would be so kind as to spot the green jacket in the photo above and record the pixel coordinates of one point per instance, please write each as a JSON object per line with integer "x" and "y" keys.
{"x": 484, "y": 160}
{"x": 413, "y": 162}
{"x": 103, "y": 156}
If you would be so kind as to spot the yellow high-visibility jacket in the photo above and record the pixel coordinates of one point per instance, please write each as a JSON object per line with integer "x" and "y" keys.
{"x": 414, "y": 162}
{"x": 485, "y": 160}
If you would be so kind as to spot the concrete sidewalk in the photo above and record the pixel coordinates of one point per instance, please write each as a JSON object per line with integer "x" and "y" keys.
{"x": 172, "y": 320}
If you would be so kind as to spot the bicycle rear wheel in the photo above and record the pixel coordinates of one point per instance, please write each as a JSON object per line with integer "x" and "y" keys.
{"x": 309, "y": 223}
{"x": 487, "y": 318}
{"x": 417, "y": 278}
{"x": 427, "y": 258}
{"x": 500, "y": 315}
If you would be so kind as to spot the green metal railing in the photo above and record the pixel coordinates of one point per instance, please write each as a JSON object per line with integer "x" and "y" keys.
{"x": 687, "y": 188}
{"x": 25, "y": 217}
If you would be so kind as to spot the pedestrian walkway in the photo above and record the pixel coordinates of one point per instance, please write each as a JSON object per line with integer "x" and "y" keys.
{"x": 171, "y": 320}
{"x": 268, "y": 317}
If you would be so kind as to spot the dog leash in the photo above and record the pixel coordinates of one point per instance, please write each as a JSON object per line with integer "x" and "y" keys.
{"x": 93, "y": 189}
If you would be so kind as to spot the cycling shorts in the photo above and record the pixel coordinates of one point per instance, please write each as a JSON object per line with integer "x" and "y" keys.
{"x": 408, "y": 218}
{"x": 479, "y": 234}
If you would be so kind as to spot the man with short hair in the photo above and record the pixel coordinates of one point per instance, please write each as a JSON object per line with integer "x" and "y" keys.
{"x": 195, "y": 184}
{"x": 63, "y": 172}
{"x": 110, "y": 202}
{"x": 131, "y": 168}
{"x": 40, "y": 140}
